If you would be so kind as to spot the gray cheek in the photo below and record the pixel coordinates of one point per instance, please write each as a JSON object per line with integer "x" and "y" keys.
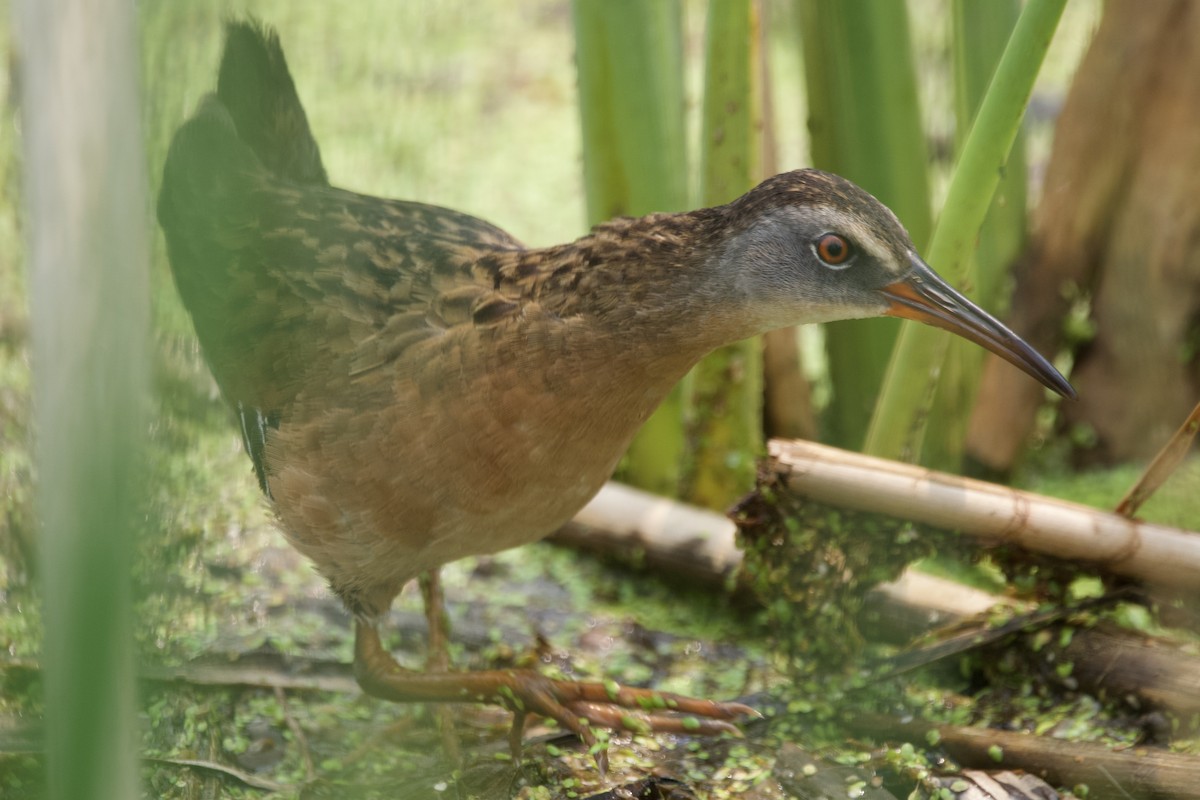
{"x": 769, "y": 267}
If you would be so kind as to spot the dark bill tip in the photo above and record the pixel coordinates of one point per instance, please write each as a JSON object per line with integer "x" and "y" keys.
{"x": 923, "y": 296}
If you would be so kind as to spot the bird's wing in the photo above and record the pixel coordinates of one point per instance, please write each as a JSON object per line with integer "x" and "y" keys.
{"x": 286, "y": 283}
{"x": 294, "y": 285}
{"x": 377, "y": 276}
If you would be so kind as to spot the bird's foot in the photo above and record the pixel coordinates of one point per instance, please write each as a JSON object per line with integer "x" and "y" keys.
{"x": 587, "y": 709}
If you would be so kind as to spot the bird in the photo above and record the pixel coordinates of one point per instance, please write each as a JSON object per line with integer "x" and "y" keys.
{"x": 415, "y": 386}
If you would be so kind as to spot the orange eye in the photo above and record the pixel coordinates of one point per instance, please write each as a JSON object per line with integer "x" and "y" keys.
{"x": 833, "y": 249}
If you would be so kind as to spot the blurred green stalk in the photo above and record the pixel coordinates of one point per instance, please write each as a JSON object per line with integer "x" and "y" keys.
{"x": 629, "y": 56}
{"x": 727, "y": 385}
{"x": 980, "y": 31}
{"x": 897, "y": 428}
{"x": 865, "y": 121}
{"x": 85, "y": 197}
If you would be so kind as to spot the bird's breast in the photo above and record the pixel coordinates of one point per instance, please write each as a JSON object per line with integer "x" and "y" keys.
{"x": 472, "y": 442}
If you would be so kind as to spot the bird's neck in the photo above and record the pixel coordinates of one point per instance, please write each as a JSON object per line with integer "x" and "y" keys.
{"x": 617, "y": 318}
{"x": 655, "y": 282}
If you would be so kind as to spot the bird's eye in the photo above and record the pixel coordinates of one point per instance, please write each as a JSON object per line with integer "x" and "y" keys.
{"x": 833, "y": 250}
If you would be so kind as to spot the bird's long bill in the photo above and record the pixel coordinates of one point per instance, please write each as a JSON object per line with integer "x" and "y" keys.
{"x": 925, "y": 297}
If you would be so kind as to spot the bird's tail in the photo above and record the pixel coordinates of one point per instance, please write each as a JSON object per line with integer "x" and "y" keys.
{"x": 220, "y": 182}
{"x": 256, "y": 89}
{"x": 254, "y": 126}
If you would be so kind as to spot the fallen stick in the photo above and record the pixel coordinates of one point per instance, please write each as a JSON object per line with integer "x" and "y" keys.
{"x": 698, "y": 546}
{"x": 1168, "y": 459}
{"x": 1134, "y": 772}
{"x": 1156, "y": 554}
{"x": 676, "y": 539}
{"x": 1158, "y": 673}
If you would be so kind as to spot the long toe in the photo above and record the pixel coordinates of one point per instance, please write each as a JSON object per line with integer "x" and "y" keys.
{"x": 580, "y": 707}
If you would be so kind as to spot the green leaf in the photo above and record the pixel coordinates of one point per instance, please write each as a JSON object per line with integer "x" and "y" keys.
{"x": 865, "y": 121}
{"x": 897, "y": 427}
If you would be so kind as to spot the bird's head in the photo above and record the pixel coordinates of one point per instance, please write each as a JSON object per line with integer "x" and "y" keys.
{"x": 808, "y": 246}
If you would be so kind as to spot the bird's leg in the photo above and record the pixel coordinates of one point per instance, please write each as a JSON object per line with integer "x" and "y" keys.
{"x": 577, "y": 707}
{"x": 430, "y": 584}
{"x": 438, "y": 658}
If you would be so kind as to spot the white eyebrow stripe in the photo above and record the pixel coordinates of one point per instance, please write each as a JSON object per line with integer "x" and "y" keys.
{"x": 862, "y": 235}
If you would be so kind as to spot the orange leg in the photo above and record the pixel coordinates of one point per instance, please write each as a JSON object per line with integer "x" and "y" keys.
{"x": 438, "y": 658}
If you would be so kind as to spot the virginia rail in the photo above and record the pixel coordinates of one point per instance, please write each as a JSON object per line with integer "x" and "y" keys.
{"x": 415, "y": 386}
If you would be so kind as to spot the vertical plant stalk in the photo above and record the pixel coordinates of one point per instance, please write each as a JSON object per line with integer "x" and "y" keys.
{"x": 727, "y": 385}
{"x": 865, "y": 121}
{"x": 87, "y": 237}
{"x": 788, "y": 411}
{"x": 629, "y": 55}
{"x": 980, "y": 31}
{"x": 897, "y": 428}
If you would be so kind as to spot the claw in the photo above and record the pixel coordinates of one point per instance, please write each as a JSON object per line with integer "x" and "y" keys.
{"x": 601, "y": 758}
{"x": 614, "y": 707}
{"x": 616, "y": 718}
{"x": 516, "y": 735}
